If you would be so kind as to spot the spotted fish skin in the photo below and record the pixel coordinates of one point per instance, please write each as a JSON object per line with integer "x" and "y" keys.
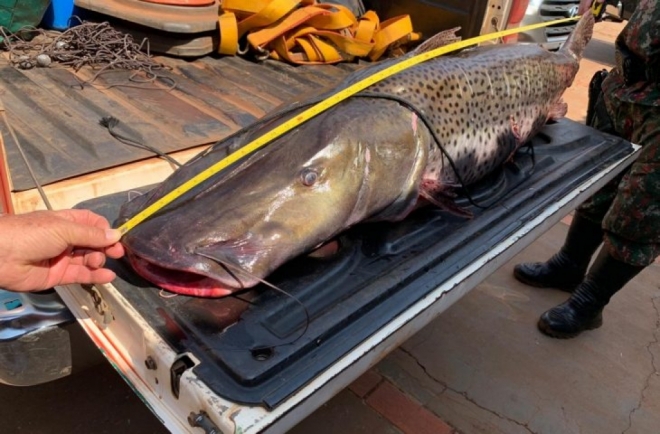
{"x": 485, "y": 103}
{"x": 367, "y": 158}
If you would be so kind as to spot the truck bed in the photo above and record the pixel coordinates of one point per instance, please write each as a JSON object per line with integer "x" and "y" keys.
{"x": 260, "y": 347}
{"x": 57, "y": 120}
{"x": 259, "y": 361}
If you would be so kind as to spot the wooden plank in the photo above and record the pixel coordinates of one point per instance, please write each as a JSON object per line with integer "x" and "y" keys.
{"x": 67, "y": 140}
{"x": 312, "y": 79}
{"x": 67, "y": 193}
{"x": 232, "y": 110}
{"x": 163, "y": 107}
{"x": 268, "y": 76}
{"x": 56, "y": 121}
{"x": 250, "y": 81}
{"x": 6, "y": 205}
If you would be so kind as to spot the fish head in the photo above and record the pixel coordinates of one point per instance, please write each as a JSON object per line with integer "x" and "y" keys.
{"x": 287, "y": 199}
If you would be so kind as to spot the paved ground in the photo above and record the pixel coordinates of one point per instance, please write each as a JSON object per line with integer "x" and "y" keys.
{"x": 481, "y": 367}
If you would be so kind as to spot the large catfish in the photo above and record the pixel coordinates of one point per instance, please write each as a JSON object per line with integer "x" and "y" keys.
{"x": 368, "y": 158}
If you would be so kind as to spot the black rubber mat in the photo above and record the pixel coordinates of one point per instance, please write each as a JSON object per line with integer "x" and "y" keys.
{"x": 262, "y": 346}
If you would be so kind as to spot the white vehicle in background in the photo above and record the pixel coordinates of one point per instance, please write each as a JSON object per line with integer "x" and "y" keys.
{"x": 551, "y": 38}
{"x": 539, "y": 11}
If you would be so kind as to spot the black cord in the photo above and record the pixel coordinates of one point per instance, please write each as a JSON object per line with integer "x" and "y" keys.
{"x": 427, "y": 122}
{"x": 33, "y": 175}
{"x": 110, "y": 122}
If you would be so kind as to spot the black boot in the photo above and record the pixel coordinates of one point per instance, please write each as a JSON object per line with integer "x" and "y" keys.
{"x": 584, "y": 309}
{"x": 566, "y": 269}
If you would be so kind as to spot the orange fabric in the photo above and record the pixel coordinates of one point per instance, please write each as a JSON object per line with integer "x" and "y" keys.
{"x": 391, "y": 31}
{"x": 367, "y": 26}
{"x": 340, "y": 18}
{"x": 260, "y": 38}
{"x": 308, "y": 32}
{"x": 228, "y": 34}
{"x": 182, "y": 2}
{"x": 242, "y": 7}
{"x": 274, "y": 11}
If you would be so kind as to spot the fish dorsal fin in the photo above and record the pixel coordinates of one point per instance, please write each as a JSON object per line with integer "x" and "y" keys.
{"x": 438, "y": 40}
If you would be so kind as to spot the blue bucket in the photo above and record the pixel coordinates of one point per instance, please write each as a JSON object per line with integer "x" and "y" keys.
{"x": 58, "y": 15}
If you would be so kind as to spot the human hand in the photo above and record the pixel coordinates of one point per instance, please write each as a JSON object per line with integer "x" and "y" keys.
{"x": 585, "y": 5}
{"x": 42, "y": 249}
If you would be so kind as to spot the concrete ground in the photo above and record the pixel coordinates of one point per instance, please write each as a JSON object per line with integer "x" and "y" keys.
{"x": 481, "y": 367}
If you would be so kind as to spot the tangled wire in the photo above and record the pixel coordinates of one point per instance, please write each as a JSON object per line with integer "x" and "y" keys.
{"x": 97, "y": 45}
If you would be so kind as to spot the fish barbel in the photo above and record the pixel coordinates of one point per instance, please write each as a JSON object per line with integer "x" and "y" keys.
{"x": 368, "y": 158}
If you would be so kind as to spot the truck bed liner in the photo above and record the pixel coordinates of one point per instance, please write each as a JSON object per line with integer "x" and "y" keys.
{"x": 381, "y": 270}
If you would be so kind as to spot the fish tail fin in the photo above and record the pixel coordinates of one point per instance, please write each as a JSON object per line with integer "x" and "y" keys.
{"x": 580, "y": 37}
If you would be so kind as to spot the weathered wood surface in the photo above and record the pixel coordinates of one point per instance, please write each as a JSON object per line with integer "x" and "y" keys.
{"x": 57, "y": 121}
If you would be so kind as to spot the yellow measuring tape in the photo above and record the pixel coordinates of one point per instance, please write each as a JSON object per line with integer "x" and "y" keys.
{"x": 315, "y": 110}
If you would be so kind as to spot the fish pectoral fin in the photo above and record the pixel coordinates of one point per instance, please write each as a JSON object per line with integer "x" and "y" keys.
{"x": 515, "y": 131}
{"x": 325, "y": 250}
{"x": 557, "y": 110}
{"x": 435, "y": 186}
{"x": 445, "y": 202}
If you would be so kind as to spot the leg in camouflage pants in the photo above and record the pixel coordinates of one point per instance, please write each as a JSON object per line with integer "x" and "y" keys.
{"x": 629, "y": 206}
{"x": 625, "y": 214}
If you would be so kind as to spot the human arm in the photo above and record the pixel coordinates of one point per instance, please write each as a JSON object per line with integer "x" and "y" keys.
{"x": 42, "y": 249}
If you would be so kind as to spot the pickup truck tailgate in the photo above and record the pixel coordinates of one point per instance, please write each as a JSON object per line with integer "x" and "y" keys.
{"x": 264, "y": 360}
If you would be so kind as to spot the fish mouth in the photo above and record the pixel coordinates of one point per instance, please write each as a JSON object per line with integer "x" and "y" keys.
{"x": 192, "y": 282}
{"x": 180, "y": 281}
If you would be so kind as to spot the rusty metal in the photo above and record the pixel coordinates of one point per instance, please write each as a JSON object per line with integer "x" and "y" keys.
{"x": 203, "y": 421}
{"x": 150, "y": 363}
{"x": 105, "y": 316}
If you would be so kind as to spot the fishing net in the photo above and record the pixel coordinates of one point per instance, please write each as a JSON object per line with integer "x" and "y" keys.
{"x": 95, "y": 45}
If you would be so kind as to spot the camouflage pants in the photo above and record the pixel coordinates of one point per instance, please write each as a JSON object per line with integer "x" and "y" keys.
{"x": 629, "y": 205}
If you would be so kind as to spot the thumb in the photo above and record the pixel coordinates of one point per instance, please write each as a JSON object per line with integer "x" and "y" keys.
{"x": 94, "y": 237}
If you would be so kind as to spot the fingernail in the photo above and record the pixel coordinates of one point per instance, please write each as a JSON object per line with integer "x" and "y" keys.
{"x": 112, "y": 234}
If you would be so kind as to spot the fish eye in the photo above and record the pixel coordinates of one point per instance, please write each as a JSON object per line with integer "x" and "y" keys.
{"x": 309, "y": 177}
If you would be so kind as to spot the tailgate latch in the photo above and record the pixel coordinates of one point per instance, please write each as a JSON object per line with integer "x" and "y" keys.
{"x": 180, "y": 365}
{"x": 100, "y": 306}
